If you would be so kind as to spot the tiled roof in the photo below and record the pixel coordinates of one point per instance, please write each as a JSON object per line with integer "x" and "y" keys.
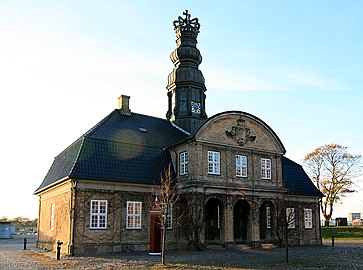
{"x": 296, "y": 180}
{"x": 121, "y": 148}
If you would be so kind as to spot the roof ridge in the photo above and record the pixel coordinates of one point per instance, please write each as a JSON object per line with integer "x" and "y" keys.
{"x": 291, "y": 161}
{"x": 149, "y": 116}
{"x": 78, "y": 154}
{"x": 69, "y": 146}
{"x": 100, "y": 123}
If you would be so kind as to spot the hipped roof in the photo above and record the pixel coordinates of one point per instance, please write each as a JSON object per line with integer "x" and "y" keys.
{"x": 120, "y": 148}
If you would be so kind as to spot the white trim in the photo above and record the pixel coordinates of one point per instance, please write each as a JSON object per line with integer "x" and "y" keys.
{"x": 268, "y": 217}
{"x": 241, "y": 164}
{"x": 183, "y": 163}
{"x": 98, "y": 218}
{"x": 132, "y": 216}
{"x": 214, "y": 164}
{"x": 52, "y": 215}
{"x": 266, "y": 168}
{"x": 308, "y": 218}
{"x": 176, "y": 126}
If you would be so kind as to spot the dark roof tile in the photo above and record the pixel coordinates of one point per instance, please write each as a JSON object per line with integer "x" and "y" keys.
{"x": 296, "y": 180}
{"x": 121, "y": 148}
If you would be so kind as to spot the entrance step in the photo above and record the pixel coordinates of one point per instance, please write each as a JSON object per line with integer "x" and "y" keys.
{"x": 243, "y": 247}
{"x": 266, "y": 246}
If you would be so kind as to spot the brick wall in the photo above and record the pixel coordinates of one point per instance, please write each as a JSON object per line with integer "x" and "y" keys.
{"x": 60, "y": 197}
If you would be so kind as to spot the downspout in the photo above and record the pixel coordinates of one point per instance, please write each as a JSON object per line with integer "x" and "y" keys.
{"x": 72, "y": 221}
{"x": 38, "y": 225}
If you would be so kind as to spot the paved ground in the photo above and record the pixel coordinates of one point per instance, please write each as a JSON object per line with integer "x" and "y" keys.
{"x": 344, "y": 255}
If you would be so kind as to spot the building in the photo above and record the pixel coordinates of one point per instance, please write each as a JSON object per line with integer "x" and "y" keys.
{"x": 353, "y": 216}
{"x": 5, "y": 229}
{"x": 236, "y": 184}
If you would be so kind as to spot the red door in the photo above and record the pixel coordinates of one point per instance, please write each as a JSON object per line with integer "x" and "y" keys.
{"x": 155, "y": 232}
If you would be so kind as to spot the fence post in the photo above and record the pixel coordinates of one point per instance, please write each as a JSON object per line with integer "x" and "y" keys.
{"x": 25, "y": 243}
{"x": 332, "y": 241}
{"x": 59, "y": 244}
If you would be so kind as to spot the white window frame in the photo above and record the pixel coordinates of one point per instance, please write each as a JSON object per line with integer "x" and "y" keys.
{"x": 52, "y": 216}
{"x": 214, "y": 162}
{"x": 290, "y": 217}
{"x": 241, "y": 166}
{"x": 183, "y": 163}
{"x": 98, "y": 214}
{"x": 133, "y": 217}
{"x": 308, "y": 218}
{"x": 266, "y": 168}
{"x": 268, "y": 217}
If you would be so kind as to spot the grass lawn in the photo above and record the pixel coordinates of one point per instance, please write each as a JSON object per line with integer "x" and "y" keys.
{"x": 340, "y": 232}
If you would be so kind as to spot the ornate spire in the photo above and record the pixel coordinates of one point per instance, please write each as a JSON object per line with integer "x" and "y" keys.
{"x": 186, "y": 26}
{"x": 186, "y": 82}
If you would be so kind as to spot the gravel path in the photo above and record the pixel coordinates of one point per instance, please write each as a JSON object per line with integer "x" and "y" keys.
{"x": 344, "y": 255}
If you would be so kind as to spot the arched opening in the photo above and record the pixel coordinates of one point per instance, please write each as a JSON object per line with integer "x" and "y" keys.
{"x": 267, "y": 211}
{"x": 242, "y": 221}
{"x": 213, "y": 219}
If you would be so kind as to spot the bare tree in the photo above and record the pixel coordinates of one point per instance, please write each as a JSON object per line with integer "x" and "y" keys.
{"x": 286, "y": 219}
{"x": 167, "y": 195}
{"x": 332, "y": 169}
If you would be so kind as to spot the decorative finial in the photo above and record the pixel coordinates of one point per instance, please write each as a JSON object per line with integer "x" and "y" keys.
{"x": 186, "y": 25}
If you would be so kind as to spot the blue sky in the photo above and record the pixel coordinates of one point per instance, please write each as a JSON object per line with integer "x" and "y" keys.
{"x": 295, "y": 64}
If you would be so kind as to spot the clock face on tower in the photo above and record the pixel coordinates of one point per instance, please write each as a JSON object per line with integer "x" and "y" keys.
{"x": 196, "y": 107}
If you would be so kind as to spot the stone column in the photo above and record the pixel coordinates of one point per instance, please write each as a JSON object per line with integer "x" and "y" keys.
{"x": 255, "y": 221}
{"x": 229, "y": 224}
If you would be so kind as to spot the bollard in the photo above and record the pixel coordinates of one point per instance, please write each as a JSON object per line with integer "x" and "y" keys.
{"x": 59, "y": 243}
{"x": 332, "y": 241}
{"x": 25, "y": 243}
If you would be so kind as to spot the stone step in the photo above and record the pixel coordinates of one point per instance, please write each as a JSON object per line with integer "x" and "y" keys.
{"x": 268, "y": 246}
{"x": 243, "y": 247}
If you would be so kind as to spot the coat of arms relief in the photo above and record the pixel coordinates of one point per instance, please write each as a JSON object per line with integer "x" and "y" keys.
{"x": 240, "y": 133}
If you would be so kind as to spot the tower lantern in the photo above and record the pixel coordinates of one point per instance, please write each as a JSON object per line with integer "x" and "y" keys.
{"x": 186, "y": 88}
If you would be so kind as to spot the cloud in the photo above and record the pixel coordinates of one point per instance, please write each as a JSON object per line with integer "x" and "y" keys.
{"x": 243, "y": 80}
{"x": 269, "y": 79}
{"x": 313, "y": 80}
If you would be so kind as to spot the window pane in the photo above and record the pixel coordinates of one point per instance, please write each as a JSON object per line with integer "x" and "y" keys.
{"x": 98, "y": 214}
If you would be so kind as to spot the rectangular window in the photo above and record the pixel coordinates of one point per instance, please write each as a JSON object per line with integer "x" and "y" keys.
{"x": 133, "y": 215}
{"x": 241, "y": 166}
{"x": 183, "y": 158}
{"x": 308, "y": 218}
{"x": 51, "y": 227}
{"x": 265, "y": 168}
{"x": 98, "y": 214}
{"x": 268, "y": 217}
{"x": 214, "y": 162}
{"x": 290, "y": 218}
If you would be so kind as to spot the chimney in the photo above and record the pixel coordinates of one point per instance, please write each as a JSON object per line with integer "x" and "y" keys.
{"x": 123, "y": 104}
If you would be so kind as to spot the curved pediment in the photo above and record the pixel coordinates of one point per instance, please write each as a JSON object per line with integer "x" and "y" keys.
{"x": 240, "y": 129}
